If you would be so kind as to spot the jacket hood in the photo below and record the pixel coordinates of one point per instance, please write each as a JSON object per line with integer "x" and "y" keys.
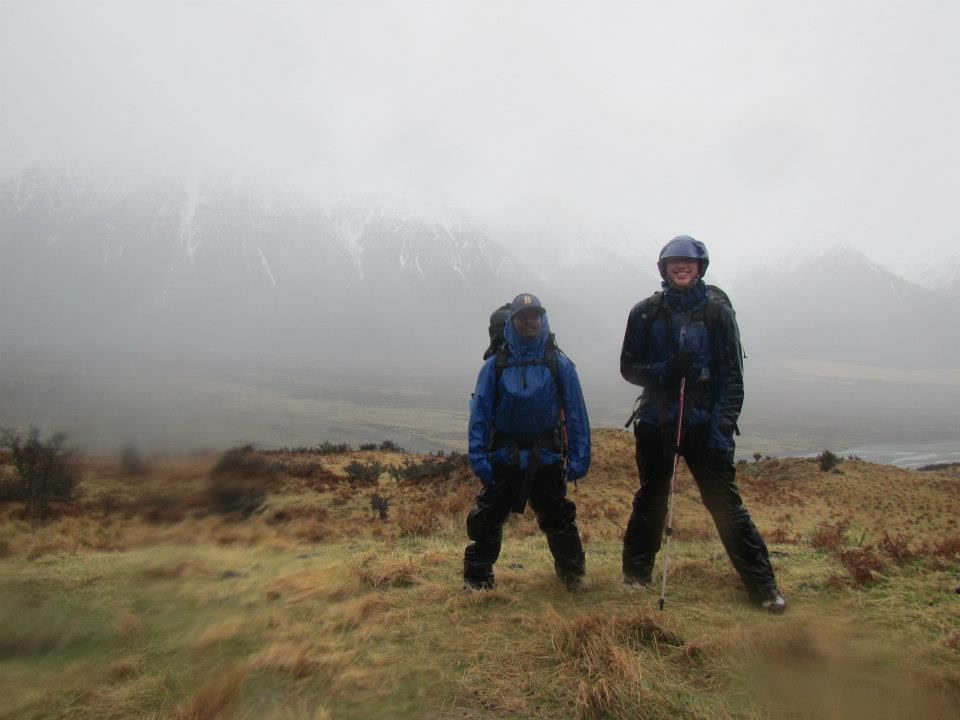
{"x": 527, "y": 349}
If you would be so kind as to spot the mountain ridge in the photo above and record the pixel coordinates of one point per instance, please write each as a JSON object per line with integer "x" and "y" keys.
{"x": 232, "y": 262}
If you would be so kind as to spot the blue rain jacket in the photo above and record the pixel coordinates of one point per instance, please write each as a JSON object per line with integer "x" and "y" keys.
{"x": 527, "y": 406}
{"x": 715, "y": 392}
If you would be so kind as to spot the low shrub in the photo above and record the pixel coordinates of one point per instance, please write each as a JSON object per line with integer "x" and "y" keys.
{"x": 830, "y": 537}
{"x": 939, "y": 466}
{"x": 380, "y": 505}
{"x": 159, "y": 507}
{"x": 385, "y": 446}
{"x": 828, "y": 460}
{"x": 242, "y": 461}
{"x": 302, "y": 471}
{"x": 862, "y": 563}
{"x": 230, "y": 494}
{"x": 132, "y": 462}
{"x": 46, "y": 469}
{"x": 12, "y": 489}
{"x": 329, "y": 448}
{"x": 365, "y": 472}
{"x": 439, "y": 466}
{"x": 897, "y": 549}
{"x": 947, "y": 548}
{"x": 324, "y": 448}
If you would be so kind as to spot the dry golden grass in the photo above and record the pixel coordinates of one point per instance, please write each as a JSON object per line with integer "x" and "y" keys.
{"x": 314, "y": 608}
{"x": 790, "y": 499}
{"x": 124, "y": 668}
{"x": 219, "y": 632}
{"x": 287, "y": 659}
{"x": 378, "y": 572}
{"x": 216, "y": 698}
{"x": 128, "y": 627}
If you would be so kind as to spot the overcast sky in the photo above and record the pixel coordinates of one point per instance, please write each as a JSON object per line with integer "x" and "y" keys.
{"x": 756, "y": 126}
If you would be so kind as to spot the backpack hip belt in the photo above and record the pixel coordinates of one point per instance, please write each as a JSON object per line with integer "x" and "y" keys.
{"x": 547, "y": 440}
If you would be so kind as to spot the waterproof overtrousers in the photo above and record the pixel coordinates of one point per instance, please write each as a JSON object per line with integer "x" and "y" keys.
{"x": 714, "y": 473}
{"x": 555, "y": 514}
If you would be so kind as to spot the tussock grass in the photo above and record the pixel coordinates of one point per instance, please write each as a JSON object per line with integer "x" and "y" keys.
{"x": 216, "y": 698}
{"x": 378, "y": 572}
{"x": 137, "y": 601}
{"x": 363, "y": 610}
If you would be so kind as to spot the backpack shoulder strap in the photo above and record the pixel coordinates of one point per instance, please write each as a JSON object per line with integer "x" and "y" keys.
{"x": 716, "y": 299}
{"x": 650, "y": 312}
{"x": 502, "y": 361}
{"x": 550, "y": 359}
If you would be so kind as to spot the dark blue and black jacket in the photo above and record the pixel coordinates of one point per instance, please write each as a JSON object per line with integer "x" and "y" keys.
{"x": 653, "y": 336}
{"x": 524, "y": 403}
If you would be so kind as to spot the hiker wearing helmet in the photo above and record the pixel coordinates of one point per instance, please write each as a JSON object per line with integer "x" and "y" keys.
{"x": 688, "y": 330}
{"x": 528, "y": 436}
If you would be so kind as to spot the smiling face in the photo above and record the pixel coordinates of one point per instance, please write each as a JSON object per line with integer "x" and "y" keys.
{"x": 527, "y": 323}
{"x": 683, "y": 271}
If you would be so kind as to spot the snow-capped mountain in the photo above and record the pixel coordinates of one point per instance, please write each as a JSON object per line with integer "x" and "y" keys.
{"x": 839, "y": 305}
{"x": 229, "y": 263}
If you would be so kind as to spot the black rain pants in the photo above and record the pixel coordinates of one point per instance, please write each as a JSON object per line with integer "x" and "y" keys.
{"x": 715, "y": 475}
{"x": 556, "y": 516}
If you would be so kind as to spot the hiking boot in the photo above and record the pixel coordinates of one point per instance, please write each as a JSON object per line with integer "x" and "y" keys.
{"x": 573, "y": 583}
{"x": 772, "y": 601}
{"x": 637, "y": 582}
{"x": 473, "y": 585}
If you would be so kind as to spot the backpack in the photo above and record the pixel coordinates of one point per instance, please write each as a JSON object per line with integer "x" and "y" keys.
{"x": 711, "y": 311}
{"x": 498, "y": 321}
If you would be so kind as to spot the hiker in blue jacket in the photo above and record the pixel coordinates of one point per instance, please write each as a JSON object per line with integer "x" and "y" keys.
{"x": 688, "y": 330}
{"x": 529, "y": 434}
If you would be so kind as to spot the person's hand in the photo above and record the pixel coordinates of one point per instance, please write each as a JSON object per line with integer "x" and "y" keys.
{"x": 575, "y": 471}
{"x": 720, "y": 447}
{"x": 679, "y": 366}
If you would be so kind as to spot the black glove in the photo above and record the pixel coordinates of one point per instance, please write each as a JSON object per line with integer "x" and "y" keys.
{"x": 679, "y": 366}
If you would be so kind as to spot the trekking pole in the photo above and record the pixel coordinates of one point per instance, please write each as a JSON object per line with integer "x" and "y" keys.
{"x": 673, "y": 482}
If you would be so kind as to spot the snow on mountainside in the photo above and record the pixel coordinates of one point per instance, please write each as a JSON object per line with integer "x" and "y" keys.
{"x": 58, "y": 191}
{"x": 937, "y": 273}
{"x": 231, "y": 263}
{"x": 228, "y": 261}
{"x": 840, "y": 305}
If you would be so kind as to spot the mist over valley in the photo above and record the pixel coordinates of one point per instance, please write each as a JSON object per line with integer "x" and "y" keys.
{"x": 179, "y": 316}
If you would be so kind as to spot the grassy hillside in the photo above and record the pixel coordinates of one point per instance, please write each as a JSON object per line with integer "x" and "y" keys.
{"x": 140, "y": 600}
